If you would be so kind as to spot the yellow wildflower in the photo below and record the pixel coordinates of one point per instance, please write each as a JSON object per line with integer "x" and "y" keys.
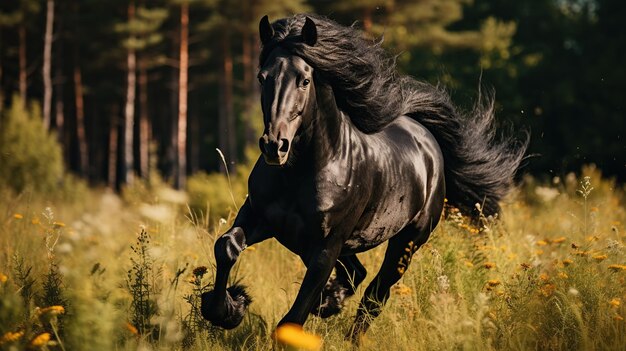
{"x": 539, "y": 252}
{"x": 35, "y": 221}
{"x": 615, "y": 302}
{"x": 558, "y": 240}
{"x": 542, "y": 243}
{"x": 250, "y": 248}
{"x": 600, "y": 258}
{"x": 567, "y": 262}
{"x": 402, "y": 289}
{"x": 41, "y": 340}
{"x": 581, "y": 253}
{"x": 3, "y": 278}
{"x": 493, "y": 282}
{"x": 618, "y": 318}
{"x": 293, "y": 335}
{"x": 617, "y": 267}
{"x": 489, "y": 265}
{"x": 563, "y": 275}
{"x": 547, "y": 290}
{"x": 18, "y": 216}
{"x": 131, "y": 328}
{"x": 11, "y": 337}
{"x": 58, "y": 224}
{"x": 544, "y": 277}
{"x": 468, "y": 264}
{"x": 53, "y": 310}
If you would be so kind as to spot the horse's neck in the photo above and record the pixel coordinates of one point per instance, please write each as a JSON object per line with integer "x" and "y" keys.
{"x": 332, "y": 128}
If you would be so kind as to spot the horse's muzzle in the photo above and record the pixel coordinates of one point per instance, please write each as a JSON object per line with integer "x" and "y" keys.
{"x": 275, "y": 151}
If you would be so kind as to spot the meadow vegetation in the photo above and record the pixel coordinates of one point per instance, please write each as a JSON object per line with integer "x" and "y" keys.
{"x": 83, "y": 267}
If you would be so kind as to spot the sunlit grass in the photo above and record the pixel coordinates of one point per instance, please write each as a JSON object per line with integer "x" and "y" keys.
{"x": 550, "y": 274}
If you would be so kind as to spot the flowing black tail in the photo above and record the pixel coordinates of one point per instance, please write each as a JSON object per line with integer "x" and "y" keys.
{"x": 479, "y": 166}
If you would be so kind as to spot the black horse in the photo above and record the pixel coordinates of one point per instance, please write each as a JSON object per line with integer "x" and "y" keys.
{"x": 353, "y": 155}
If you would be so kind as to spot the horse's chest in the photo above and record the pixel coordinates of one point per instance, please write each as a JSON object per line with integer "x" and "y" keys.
{"x": 292, "y": 218}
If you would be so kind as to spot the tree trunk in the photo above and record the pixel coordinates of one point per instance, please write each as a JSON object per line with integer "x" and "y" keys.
{"x": 129, "y": 109}
{"x": 194, "y": 143}
{"x": 113, "y": 143}
{"x": 144, "y": 122}
{"x": 255, "y": 88}
{"x": 182, "y": 96}
{"x": 58, "y": 82}
{"x": 1, "y": 85}
{"x": 22, "y": 63}
{"x": 248, "y": 80}
{"x": 47, "y": 58}
{"x": 226, "y": 123}
{"x": 80, "y": 118}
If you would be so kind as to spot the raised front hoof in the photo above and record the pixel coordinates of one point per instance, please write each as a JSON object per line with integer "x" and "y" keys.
{"x": 332, "y": 300}
{"x": 229, "y": 313}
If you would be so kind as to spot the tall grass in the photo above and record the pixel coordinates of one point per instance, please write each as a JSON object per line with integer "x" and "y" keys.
{"x": 126, "y": 273}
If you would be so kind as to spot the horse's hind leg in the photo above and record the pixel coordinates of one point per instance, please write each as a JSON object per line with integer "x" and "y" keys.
{"x": 397, "y": 258}
{"x": 349, "y": 274}
{"x": 226, "y": 307}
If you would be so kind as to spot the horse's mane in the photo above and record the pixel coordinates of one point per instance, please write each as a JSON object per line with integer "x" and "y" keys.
{"x": 362, "y": 75}
{"x": 367, "y": 87}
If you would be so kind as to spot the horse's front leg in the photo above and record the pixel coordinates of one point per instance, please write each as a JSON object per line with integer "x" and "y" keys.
{"x": 319, "y": 266}
{"x": 226, "y": 307}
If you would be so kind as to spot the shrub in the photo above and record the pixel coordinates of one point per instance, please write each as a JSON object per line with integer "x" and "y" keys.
{"x": 30, "y": 156}
{"x": 214, "y": 196}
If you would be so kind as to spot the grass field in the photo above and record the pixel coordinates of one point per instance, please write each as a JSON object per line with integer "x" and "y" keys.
{"x": 96, "y": 271}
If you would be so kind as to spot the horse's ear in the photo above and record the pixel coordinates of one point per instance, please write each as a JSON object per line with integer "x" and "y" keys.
{"x": 309, "y": 32}
{"x": 266, "y": 32}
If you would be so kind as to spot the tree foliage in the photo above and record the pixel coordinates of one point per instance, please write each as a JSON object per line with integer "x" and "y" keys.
{"x": 30, "y": 156}
{"x": 556, "y": 66}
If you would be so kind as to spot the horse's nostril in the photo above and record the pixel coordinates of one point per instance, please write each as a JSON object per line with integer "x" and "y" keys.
{"x": 283, "y": 145}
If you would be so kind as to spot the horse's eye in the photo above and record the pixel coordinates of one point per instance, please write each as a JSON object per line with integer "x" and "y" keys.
{"x": 306, "y": 82}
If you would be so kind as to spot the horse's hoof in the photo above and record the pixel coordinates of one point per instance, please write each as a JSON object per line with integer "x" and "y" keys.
{"x": 228, "y": 313}
{"x": 329, "y": 308}
{"x": 332, "y": 300}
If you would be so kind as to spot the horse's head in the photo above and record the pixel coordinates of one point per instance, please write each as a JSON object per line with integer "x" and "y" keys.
{"x": 287, "y": 94}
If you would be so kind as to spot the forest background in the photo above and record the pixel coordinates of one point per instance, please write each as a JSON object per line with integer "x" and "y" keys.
{"x": 134, "y": 88}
